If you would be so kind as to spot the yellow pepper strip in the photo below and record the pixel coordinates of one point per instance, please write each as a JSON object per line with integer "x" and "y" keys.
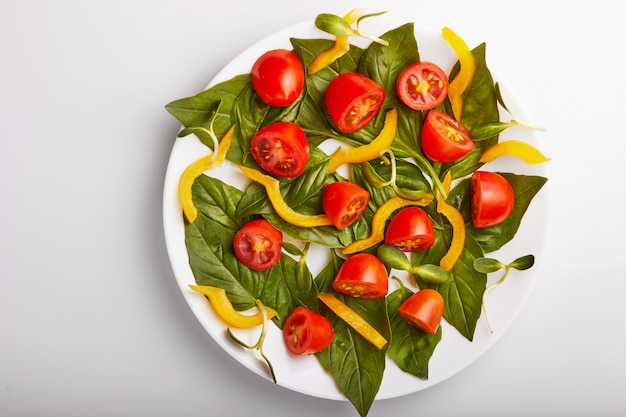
{"x": 447, "y": 182}
{"x": 458, "y": 233}
{"x": 517, "y": 148}
{"x": 339, "y": 49}
{"x": 223, "y": 148}
{"x": 189, "y": 175}
{"x": 272, "y": 187}
{"x": 225, "y": 310}
{"x": 353, "y": 319}
{"x": 370, "y": 151}
{"x": 380, "y": 219}
{"x": 465, "y": 75}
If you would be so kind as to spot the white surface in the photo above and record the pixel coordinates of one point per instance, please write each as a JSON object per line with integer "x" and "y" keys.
{"x": 91, "y": 319}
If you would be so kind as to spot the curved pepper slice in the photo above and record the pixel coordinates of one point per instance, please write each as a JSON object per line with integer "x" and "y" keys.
{"x": 458, "y": 233}
{"x": 353, "y": 319}
{"x": 465, "y": 75}
{"x": 517, "y": 148}
{"x": 272, "y": 187}
{"x": 223, "y": 148}
{"x": 370, "y": 151}
{"x": 380, "y": 219}
{"x": 225, "y": 310}
{"x": 339, "y": 48}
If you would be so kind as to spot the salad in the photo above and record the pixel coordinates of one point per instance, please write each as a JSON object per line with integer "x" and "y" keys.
{"x": 404, "y": 203}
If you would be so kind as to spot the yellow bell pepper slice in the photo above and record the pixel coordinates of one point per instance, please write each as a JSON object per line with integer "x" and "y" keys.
{"x": 225, "y": 310}
{"x": 459, "y": 233}
{"x": 466, "y": 73}
{"x": 353, "y": 319}
{"x": 517, "y": 148}
{"x": 339, "y": 48}
{"x": 223, "y": 148}
{"x": 370, "y": 151}
{"x": 272, "y": 187}
{"x": 380, "y": 219}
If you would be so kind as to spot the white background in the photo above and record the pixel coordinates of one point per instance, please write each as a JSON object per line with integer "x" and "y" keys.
{"x": 92, "y": 322}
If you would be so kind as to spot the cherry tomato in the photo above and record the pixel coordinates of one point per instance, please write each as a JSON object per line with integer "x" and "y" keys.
{"x": 306, "y": 332}
{"x": 277, "y": 77}
{"x": 411, "y": 230}
{"x": 258, "y": 245}
{"x": 281, "y": 149}
{"x": 422, "y": 86}
{"x": 492, "y": 198}
{"x": 344, "y": 202}
{"x": 362, "y": 276}
{"x": 443, "y": 138}
{"x": 423, "y": 309}
{"x": 353, "y": 100}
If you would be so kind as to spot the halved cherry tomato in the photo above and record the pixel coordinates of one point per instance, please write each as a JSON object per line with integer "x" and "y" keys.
{"x": 422, "y": 86}
{"x": 443, "y": 138}
{"x": 306, "y": 332}
{"x": 353, "y": 100}
{"x": 281, "y": 149}
{"x": 344, "y": 202}
{"x": 492, "y": 198}
{"x": 258, "y": 245}
{"x": 411, "y": 230}
{"x": 423, "y": 309}
{"x": 277, "y": 77}
{"x": 362, "y": 276}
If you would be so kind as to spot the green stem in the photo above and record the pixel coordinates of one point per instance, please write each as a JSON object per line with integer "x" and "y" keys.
{"x": 428, "y": 168}
{"x": 491, "y": 287}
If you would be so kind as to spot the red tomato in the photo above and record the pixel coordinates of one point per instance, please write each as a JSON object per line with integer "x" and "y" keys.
{"x": 422, "y": 86}
{"x": 492, "y": 198}
{"x": 258, "y": 245}
{"x": 278, "y": 77}
{"x": 362, "y": 276}
{"x": 411, "y": 230}
{"x": 353, "y": 100}
{"x": 344, "y": 202}
{"x": 443, "y": 138}
{"x": 423, "y": 309}
{"x": 281, "y": 149}
{"x": 306, "y": 332}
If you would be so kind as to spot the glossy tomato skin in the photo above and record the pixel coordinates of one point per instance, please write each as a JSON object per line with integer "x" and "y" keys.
{"x": 362, "y": 276}
{"x": 423, "y": 309}
{"x": 492, "y": 199}
{"x": 422, "y": 86}
{"x": 306, "y": 332}
{"x": 258, "y": 245}
{"x": 443, "y": 138}
{"x": 344, "y": 202}
{"x": 410, "y": 230}
{"x": 353, "y": 100}
{"x": 277, "y": 77}
{"x": 281, "y": 149}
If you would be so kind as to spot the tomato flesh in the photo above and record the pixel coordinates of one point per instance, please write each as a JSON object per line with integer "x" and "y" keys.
{"x": 281, "y": 149}
{"x": 444, "y": 139}
{"x": 422, "y": 86}
{"x": 362, "y": 276}
{"x": 258, "y": 245}
{"x": 277, "y": 77}
{"x": 492, "y": 199}
{"x": 411, "y": 230}
{"x": 344, "y": 202}
{"x": 306, "y": 332}
{"x": 423, "y": 309}
{"x": 353, "y": 100}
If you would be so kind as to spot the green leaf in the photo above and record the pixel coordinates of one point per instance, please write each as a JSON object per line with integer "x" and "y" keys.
{"x": 488, "y": 265}
{"x": 523, "y": 263}
{"x": 334, "y": 25}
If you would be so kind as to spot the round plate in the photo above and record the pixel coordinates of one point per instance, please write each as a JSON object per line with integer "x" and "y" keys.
{"x": 454, "y": 352}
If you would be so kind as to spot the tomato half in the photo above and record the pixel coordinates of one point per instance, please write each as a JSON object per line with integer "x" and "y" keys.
{"x": 492, "y": 198}
{"x": 258, "y": 245}
{"x": 281, "y": 149}
{"x": 306, "y": 332}
{"x": 344, "y": 202}
{"x": 422, "y": 86}
{"x": 423, "y": 309}
{"x": 411, "y": 230}
{"x": 277, "y": 77}
{"x": 362, "y": 276}
{"x": 353, "y": 100}
{"x": 444, "y": 139}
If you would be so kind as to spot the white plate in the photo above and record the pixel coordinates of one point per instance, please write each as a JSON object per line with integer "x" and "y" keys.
{"x": 454, "y": 352}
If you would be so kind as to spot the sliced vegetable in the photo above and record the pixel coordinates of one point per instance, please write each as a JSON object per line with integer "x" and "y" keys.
{"x": 306, "y": 332}
{"x": 410, "y": 230}
{"x": 492, "y": 198}
{"x": 258, "y": 245}
{"x": 423, "y": 309}
{"x": 362, "y": 276}
{"x": 422, "y": 86}
{"x": 281, "y": 148}
{"x": 277, "y": 77}
{"x": 465, "y": 75}
{"x": 458, "y": 233}
{"x": 516, "y": 148}
{"x": 344, "y": 202}
{"x": 354, "y": 320}
{"x": 444, "y": 139}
